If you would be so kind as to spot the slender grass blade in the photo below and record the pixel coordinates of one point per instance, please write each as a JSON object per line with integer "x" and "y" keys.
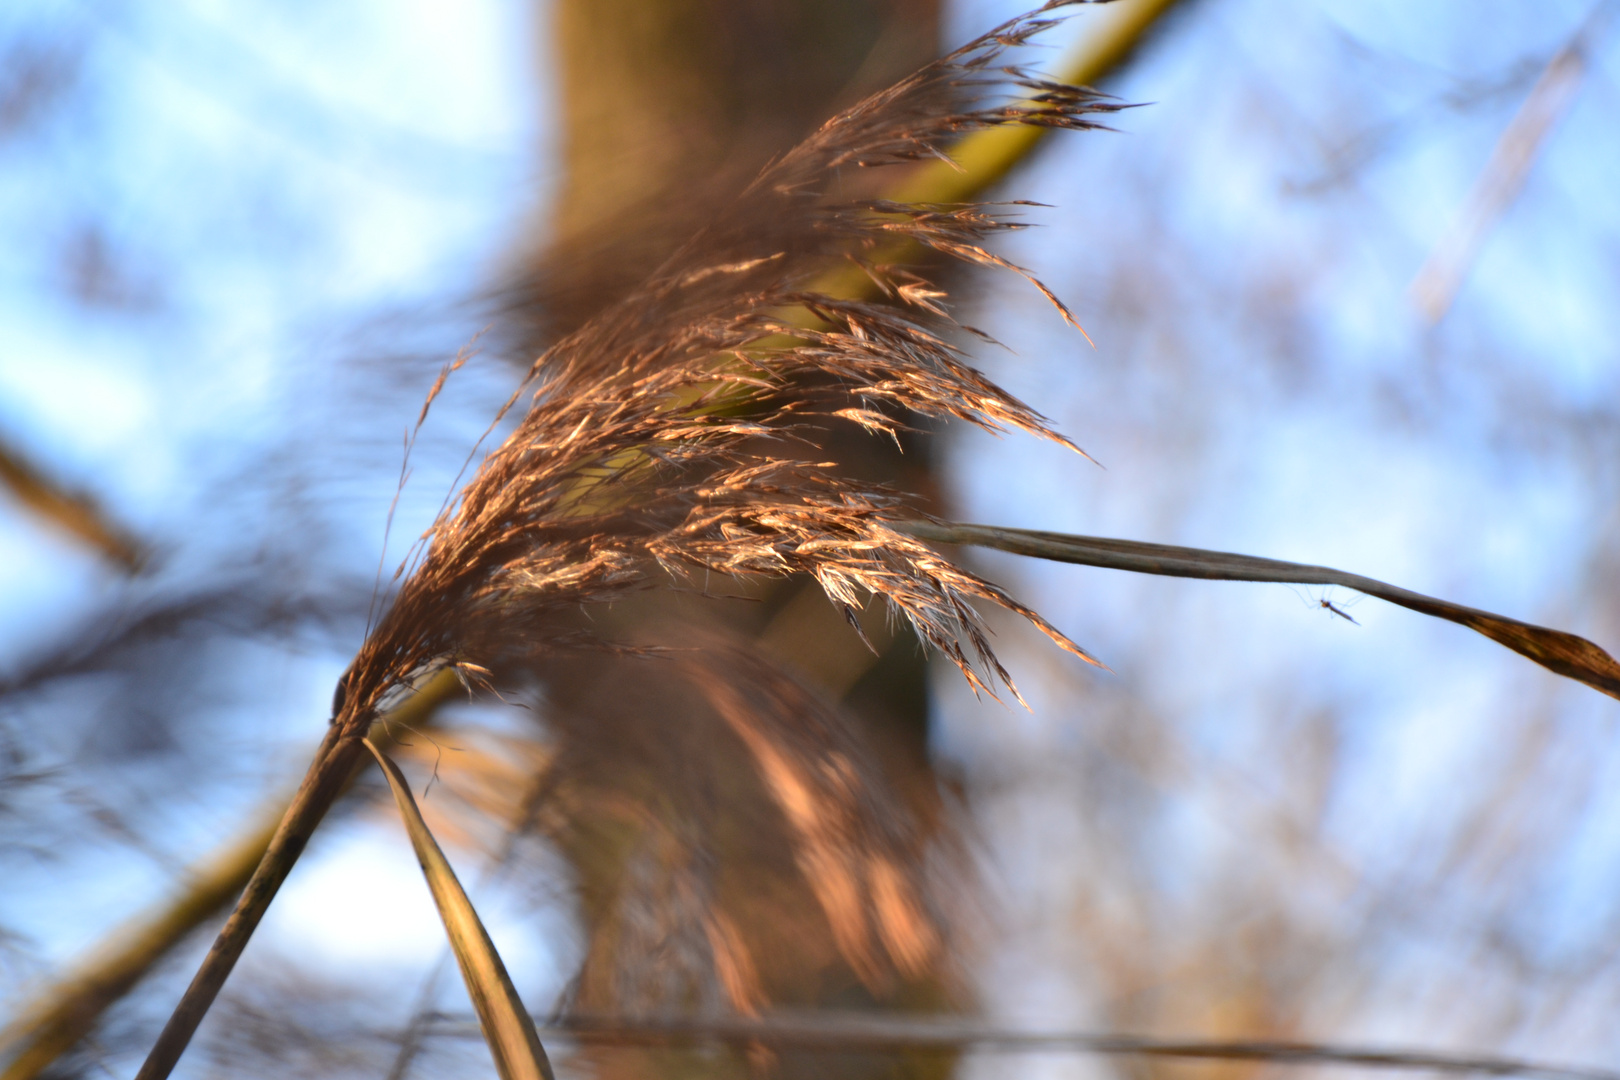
{"x": 507, "y": 1027}
{"x": 1566, "y": 654}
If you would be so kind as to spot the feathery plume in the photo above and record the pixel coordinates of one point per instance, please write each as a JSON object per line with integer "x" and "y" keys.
{"x": 656, "y": 445}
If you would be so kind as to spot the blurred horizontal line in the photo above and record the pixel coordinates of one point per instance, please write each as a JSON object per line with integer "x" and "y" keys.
{"x": 863, "y": 1031}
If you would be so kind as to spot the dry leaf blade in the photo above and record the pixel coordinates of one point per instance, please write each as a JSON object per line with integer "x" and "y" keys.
{"x": 507, "y": 1026}
{"x": 1566, "y": 654}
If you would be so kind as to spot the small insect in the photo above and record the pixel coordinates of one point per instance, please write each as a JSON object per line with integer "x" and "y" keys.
{"x": 1320, "y": 600}
{"x": 1325, "y": 602}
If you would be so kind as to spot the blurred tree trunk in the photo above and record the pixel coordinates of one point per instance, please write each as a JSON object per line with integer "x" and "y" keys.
{"x": 667, "y": 107}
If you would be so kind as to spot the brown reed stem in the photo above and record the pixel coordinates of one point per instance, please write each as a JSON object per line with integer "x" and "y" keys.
{"x": 339, "y": 755}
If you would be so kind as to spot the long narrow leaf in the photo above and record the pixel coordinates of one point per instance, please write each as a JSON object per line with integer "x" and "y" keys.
{"x": 506, "y": 1024}
{"x": 1568, "y": 655}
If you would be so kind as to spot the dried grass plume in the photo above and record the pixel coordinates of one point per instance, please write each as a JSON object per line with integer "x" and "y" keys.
{"x": 659, "y": 439}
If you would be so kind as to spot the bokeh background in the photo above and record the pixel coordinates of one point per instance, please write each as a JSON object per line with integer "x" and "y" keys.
{"x": 1352, "y": 272}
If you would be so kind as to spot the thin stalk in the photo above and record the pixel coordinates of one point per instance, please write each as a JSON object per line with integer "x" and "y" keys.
{"x": 340, "y": 752}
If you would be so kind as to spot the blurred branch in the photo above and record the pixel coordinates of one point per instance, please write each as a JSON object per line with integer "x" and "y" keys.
{"x": 979, "y": 161}
{"x": 70, "y": 511}
{"x": 834, "y": 1032}
{"x": 1436, "y": 284}
{"x": 985, "y": 157}
{"x": 1566, "y": 654}
{"x": 63, "y": 1013}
